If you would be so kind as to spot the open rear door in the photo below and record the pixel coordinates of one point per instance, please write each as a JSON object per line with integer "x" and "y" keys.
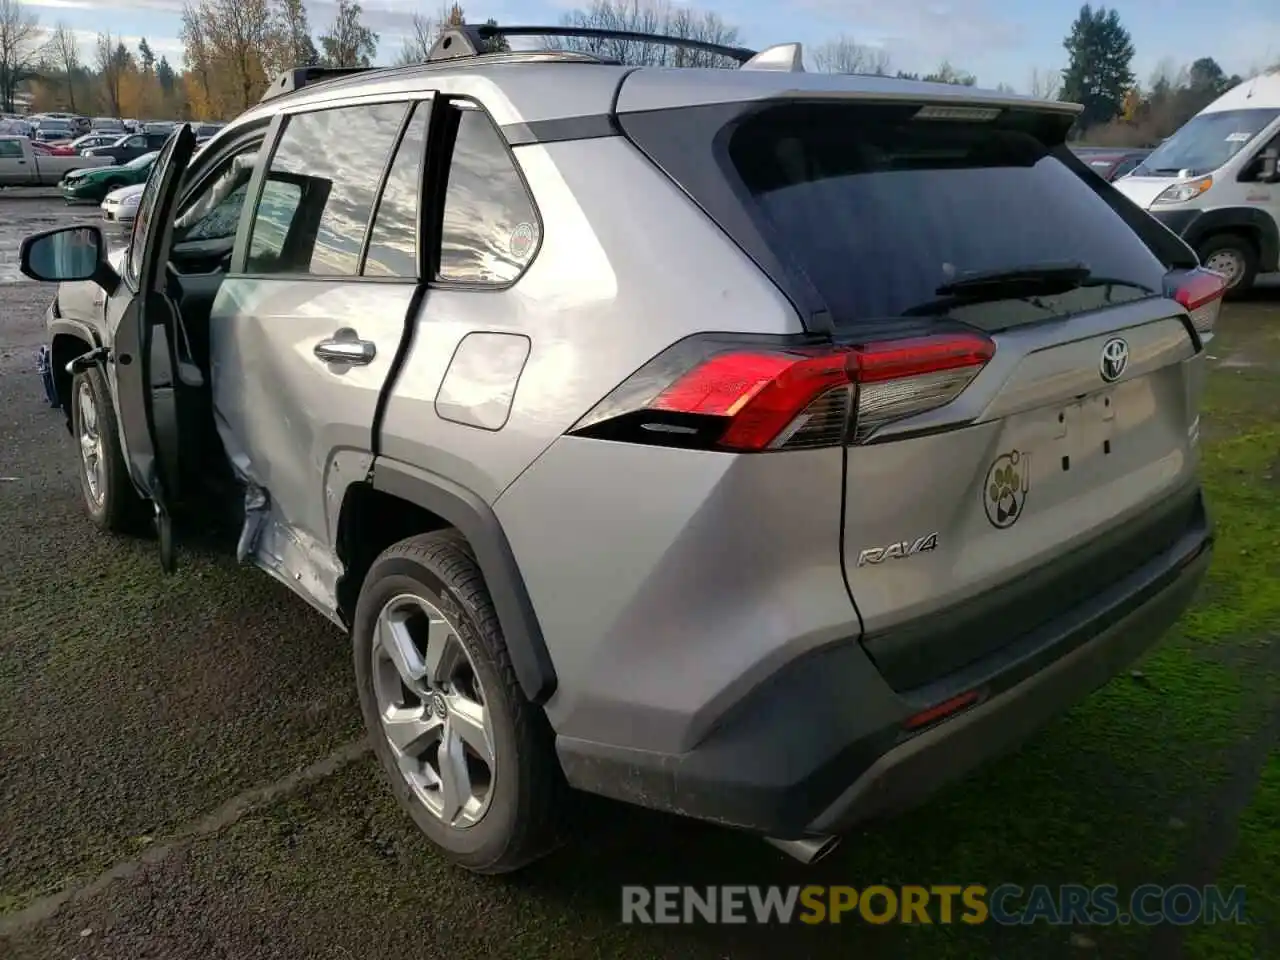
{"x": 141, "y": 361}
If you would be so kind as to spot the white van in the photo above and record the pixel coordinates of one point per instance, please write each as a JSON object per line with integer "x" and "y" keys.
{"x": 1216, "y": 182}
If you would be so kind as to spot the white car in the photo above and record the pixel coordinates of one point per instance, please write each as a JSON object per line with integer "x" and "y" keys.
{"x": 121, "y": 205}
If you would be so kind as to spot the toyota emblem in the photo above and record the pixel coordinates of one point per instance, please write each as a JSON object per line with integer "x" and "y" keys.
{"x": 1115, "y": 359}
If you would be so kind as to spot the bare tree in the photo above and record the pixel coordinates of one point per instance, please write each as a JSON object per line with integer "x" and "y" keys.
{"x": 110, "y": 68}
{"x": 196, "y": 52}
{"x": 418, "y": 44}
{"x": 300, "y": 49}
{"x": 19, "y": 46}
{"x": 649, "y": 16}
{"x": 240, "y": 46}
{"x": 63, "y": 53}
{"x": 845, "y": 55}
{"x": 1045, "y": 84}
{"x": 349, "y": 43}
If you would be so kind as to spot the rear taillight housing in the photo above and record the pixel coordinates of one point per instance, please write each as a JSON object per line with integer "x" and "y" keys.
{"x": 1200, "y": 292}
{"x": 744, "y": 396}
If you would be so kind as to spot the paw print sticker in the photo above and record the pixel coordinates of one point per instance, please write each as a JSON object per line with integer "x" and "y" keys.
{"x": 1004, "y": 495}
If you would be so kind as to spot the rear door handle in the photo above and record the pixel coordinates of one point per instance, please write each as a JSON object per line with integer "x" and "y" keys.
{"x": 345, "y": 346}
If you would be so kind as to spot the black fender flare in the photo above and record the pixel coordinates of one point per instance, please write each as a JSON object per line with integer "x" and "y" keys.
{"x": 68, "y": 327}
{"x": 475, "y": 519}
{"x": 1251, "y": 221}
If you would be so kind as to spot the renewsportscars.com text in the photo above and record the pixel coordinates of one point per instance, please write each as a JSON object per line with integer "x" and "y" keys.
{"x": 972, "y": 904}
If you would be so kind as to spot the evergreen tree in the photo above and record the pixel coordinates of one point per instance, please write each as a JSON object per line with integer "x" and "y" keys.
{"x": 166, "y": 76}
{"x": 1098, "y": 74}
{"x": 146, "y": 55}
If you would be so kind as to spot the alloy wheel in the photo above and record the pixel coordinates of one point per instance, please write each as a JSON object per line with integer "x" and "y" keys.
{"x": 431, "y": 706}
{"x": 91, "y": 444}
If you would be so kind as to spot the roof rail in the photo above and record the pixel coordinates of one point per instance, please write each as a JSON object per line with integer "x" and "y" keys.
{"x": 472, "y": 39}
{"x": 299, "y": 77}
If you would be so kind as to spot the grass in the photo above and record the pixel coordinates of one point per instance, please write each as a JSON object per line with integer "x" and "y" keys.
{"x": 1128, "y": 788}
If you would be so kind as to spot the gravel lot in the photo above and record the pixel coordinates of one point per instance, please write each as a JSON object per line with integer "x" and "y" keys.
{"x": 182, "y": 773}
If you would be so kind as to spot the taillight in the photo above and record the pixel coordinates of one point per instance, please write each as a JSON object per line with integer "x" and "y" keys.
{"x": 1200, "y": 292}
{"x": 719, "y": 394}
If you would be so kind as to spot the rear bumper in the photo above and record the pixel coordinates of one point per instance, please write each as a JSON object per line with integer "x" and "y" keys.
{"x": 799, "y": 758}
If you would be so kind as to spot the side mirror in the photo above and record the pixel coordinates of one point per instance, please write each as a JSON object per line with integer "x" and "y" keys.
{"x": 68, "y": 254}
{"x": 1269, "y": 166}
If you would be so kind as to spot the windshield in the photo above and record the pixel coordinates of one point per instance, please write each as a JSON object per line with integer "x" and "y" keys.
{"x": 142, "y": 162}
{"x": 1205, "y": 142}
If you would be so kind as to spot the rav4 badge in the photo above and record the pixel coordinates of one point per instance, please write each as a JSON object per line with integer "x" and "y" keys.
{"x": 899, "y": 550}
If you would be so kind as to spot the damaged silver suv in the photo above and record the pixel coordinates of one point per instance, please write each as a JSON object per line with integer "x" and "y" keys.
{"x": 763, "y": 447}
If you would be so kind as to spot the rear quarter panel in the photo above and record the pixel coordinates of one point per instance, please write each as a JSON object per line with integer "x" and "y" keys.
{"x": 627, "y": 266}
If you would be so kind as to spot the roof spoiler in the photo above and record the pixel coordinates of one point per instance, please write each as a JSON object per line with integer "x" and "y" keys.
{"x": 299, "y": 77}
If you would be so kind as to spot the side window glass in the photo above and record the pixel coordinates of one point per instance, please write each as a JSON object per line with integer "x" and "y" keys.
{"x": 142, "y": 219}
{"x": 136, "y": 142}
{"x": 1253, "y": 171}
{"x": 393, "y": 242}
{"x": 215, "y": 213}
{"x": 275, "y": 214}
{"x": 220, "y": 222}
{"x": 334, "y": 159}
{"x": 10, "y": 148}
{"x": 490, "y": 228}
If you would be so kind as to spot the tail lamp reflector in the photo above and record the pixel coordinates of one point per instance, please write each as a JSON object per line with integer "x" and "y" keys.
{"x": 749, "y": 399}
{"x": 1200, "y": 292}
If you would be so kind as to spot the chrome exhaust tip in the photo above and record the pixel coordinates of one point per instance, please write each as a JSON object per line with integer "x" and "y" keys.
{"x": 808, "y": 850}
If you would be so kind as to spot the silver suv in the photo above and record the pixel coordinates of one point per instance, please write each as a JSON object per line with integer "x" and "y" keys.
{"x": 758, "y": 446}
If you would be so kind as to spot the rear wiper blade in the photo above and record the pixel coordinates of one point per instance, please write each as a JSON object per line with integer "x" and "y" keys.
{"x": 1025, "y": 283}
{"x": 1029, "y": 280}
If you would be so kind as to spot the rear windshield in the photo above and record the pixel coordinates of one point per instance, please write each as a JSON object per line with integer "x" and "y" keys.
{"x": 880, "y": 209}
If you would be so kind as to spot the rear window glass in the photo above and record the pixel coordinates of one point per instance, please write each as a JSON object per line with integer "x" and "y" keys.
{"x": 880, "y": 209}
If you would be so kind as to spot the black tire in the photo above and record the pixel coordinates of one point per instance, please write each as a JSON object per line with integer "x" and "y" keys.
{"x": 119, "y": 509}
{"x": 521, "y": 821}
{"x": 1240, "y": 246}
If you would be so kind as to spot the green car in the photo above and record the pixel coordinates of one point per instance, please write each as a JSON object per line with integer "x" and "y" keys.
{"x": 94, "y": 183}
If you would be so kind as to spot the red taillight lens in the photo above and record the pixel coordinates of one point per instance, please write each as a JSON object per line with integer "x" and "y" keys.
{"x": 751, "y": 399}
{"x": 1200, "y": 292}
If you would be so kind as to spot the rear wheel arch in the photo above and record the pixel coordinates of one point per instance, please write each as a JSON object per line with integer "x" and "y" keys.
{"x": 402, "y": 501}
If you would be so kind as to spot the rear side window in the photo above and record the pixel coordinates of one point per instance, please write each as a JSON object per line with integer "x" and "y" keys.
{"x": 334, "y": 159}
{"x": 880, "y": 209}
{"x": 490, "y": 229}
{"x": 393, "y": 242}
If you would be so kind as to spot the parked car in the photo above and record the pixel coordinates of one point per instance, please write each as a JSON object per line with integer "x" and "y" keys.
{"x": 16, "y": 127}
{"x": 1112, "y": 163}
{"x": 129, "y": 147}
{"x": 754, "y": 531}
{"x": 54, "y": 129}
{"x": 1216, "y": 182}
{"x": 53, "y": 149}
{"x": 91, "y": 140}
{"x": 107, "y": 125}
{"x": 121, "y": 206}
{"x": 93, "y": 185}
{"x": 22, "y": 165}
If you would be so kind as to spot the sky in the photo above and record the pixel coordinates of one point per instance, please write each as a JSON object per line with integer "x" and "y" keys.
{"x": 1000, "y": 42}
